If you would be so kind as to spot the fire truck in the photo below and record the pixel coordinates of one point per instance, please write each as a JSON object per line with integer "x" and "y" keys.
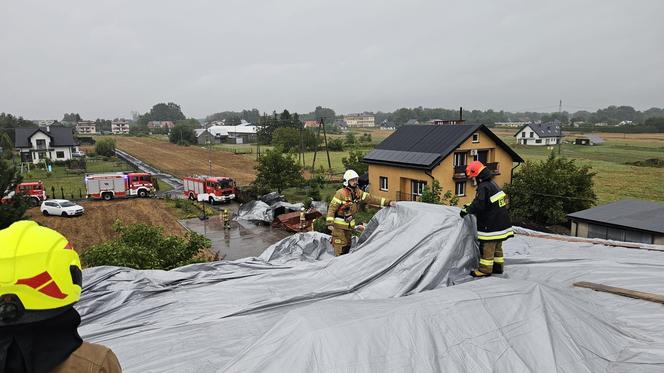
{"x": 111, "y": 185}
{"x": 33, "y": 190}
{"x": 209, "y": 188}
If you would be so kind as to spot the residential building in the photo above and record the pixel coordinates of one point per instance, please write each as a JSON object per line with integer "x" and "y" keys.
{"x": 52, "y": 143}
{"x": 413, "y": 156}
{"x": 588, "y": 139}
{"x": 311, "y": 124}
{"x": 87, "y": 127}
{"x": 120, "y": 127}
{"x": 341, "y": 124}
{"x": 241, "y": 134}
{"x": 154, "y": 124}
{"x": 360, "y": 120}
{"x": 625, "y": 220}
{"x": 539, "y": 134}
{"x": 45, "y": 123}
{"x": 436, "y": 122}
{"x": 412, "y": 122}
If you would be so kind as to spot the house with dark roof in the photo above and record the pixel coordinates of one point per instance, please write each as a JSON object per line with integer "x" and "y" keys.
{"x": 628, "y": 220}
{"x": 588, "y": 139}
{"x": 413, "y": 156}
{"x": 52, "y": 143}
{"x": 412, "y": 122}
{"x": 539, "y": 134}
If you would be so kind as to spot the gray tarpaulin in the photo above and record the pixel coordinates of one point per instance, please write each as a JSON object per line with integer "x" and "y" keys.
{"x": 400, "y": 302}
{"x": 255, "y": 211}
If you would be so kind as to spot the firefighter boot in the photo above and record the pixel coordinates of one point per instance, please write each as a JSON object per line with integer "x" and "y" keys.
{"x": 498, "y": 259}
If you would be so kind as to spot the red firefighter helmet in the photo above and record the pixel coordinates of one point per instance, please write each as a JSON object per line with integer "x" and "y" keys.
{"x": 474, "y": 168}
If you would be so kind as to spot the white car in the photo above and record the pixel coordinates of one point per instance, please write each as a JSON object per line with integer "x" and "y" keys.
{"x": 61, "y": 207}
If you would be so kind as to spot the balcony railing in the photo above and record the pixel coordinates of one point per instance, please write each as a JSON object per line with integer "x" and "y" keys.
{"x": 460, "y": 171}
{"x": 403, "y": 196}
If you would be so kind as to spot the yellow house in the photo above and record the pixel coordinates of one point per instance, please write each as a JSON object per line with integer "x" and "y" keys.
{"x": 413, "y": 156}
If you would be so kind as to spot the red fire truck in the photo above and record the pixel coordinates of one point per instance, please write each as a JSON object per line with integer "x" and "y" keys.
{"x": 33, "y": 190}
{"x": 209, "y": 188}
{"x": 119, "y": 185}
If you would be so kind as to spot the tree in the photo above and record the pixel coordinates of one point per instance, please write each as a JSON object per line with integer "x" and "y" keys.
{"x": 545, "y": 192}
{"x": 105, "y": 147}
{"x": 142, "y": 246}
{"x": 350, "y": 138}
{"x": 6, "y": 146}
{"x": 8, "y": 123}
{"x": 182, "y": 135}
{"x": 170, "y": 111}
{"x": 326, "y": 114}
{"x": 286, "y": 138}
{"x": 435, "y": 195}
{"x": 276, "y": 170}
{"x": 71, "y": 118}
{"x": 191, "y": 122}
{"x": 335, "y": 145}
{"x": 13, "y": 209}
{"x": 139, "y": 129}
{"x": 354, "y": 162}
{"x": 657, "y": 123}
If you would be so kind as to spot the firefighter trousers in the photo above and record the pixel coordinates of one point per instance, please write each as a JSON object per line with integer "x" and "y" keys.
{"x": 491, "y": 257}
{"x": 341, "y": 239}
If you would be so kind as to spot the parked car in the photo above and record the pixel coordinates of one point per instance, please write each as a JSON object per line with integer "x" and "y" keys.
{"x": 78, "y": 153}
{"x": 61, "y": 207}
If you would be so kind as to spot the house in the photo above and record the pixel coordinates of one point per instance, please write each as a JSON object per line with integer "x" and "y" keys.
{"x": 167, "y": 124}
{"x": 413, "y": 156}
{"x": 311, "y": 124}
{"x": 120, "y": 127}
{"x": 437, "y": 122}
{"x": 87, "y": 127}
{"x": 360, "y": 120}
{"x": 387, "y": 125}
{"x": 52, "y": 143}
{"x": 241, "y": 134}
{"x": 625, "y": 220}
{"x": 341, "y": 124}
{"x": 588, "y": 139}
{"x": 412, "y": 122}
{"x": 539, "y": 134}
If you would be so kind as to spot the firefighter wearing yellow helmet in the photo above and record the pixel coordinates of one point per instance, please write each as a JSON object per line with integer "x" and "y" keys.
{"x": 40, "y": 281}
{"x": 345, "y": 204}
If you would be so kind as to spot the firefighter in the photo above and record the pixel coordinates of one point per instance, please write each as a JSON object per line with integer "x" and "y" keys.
{"x": 344, "y": 205}
{"x": 493, "y": 223}
{"x": 40, "y": 280}
{"x": 227, "y": 219}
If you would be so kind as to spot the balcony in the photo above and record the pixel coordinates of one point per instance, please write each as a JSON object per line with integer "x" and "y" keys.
{"x": 403, "y": 196}
{"x": 460, "y": 171}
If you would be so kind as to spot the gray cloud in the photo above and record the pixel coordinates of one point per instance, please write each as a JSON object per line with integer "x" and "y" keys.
{"x": 106, "y": 58}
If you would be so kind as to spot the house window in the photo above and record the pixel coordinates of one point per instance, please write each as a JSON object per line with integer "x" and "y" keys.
{"x": 538, "y": 141}
{"x": 41, "y": 144}
{"x": 523, "y": 134}
{"x": 460, "y": 159}
{"x": 476, "y": 137}
{"x": 59, "y": 154}
{"x": 460, "y": 188}
{"x": 383, "y": 183}
{"x": 417, "y": 186}
{"x": 532, "y": 134}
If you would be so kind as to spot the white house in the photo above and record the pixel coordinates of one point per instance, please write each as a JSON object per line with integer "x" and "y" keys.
{"x": 120, "y": 127}
{"x": 539, "y": 134}
{"x": 241, "y": 134}
{"x": 87, "y": 127}
{"x": 37, "y": 144}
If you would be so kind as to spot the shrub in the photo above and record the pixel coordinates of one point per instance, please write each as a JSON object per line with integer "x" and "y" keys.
{"x": 335, "y": 145}
{"x": 105, "y": 147}
{"x": 143, "y": 246}
{"x": 435, "y": 195}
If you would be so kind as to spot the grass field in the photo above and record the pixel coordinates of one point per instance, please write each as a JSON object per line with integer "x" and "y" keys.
{"x": 184, "y": 161}
{"x": 615, "y": 178}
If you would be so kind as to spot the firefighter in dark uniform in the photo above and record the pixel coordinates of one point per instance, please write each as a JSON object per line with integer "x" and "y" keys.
{"x": 493, "y": 222}
{"x": 344, "y": 205}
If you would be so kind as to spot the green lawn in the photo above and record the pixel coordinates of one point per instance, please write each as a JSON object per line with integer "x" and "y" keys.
{"x": 615, "y": 178}
{"x": 60, "y": 184}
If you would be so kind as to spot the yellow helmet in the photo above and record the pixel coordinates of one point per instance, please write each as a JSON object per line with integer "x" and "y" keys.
{"x": 40, "y": 273}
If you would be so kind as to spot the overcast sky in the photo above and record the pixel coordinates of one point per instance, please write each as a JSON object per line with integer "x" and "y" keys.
{"x": 107, "y": 58}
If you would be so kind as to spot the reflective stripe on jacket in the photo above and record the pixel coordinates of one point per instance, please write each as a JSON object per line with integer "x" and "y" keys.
{"x": 490, "y": 208}
{"x": 345, "y": 204}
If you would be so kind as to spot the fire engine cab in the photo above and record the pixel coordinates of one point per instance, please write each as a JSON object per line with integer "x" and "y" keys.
{"x": 33, "y": 190}
{"x": 111, "y": 185}
{"x": 209, "y": 188}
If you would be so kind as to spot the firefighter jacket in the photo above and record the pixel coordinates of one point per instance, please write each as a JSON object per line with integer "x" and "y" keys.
{"x": 346, "y": 203}
{"x": 90, "y": 358}
{"x": 490, "y": 209}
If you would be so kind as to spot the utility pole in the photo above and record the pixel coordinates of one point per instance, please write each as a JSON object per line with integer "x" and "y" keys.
{"x": 560, "y": 117}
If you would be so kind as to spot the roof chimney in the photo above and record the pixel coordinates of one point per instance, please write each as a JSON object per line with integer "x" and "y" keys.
{"x": 48, "y": 128}
{"x": 461, "y": 113}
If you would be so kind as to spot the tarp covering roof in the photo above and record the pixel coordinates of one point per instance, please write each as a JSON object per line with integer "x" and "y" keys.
{"x": 401, "y": 301}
